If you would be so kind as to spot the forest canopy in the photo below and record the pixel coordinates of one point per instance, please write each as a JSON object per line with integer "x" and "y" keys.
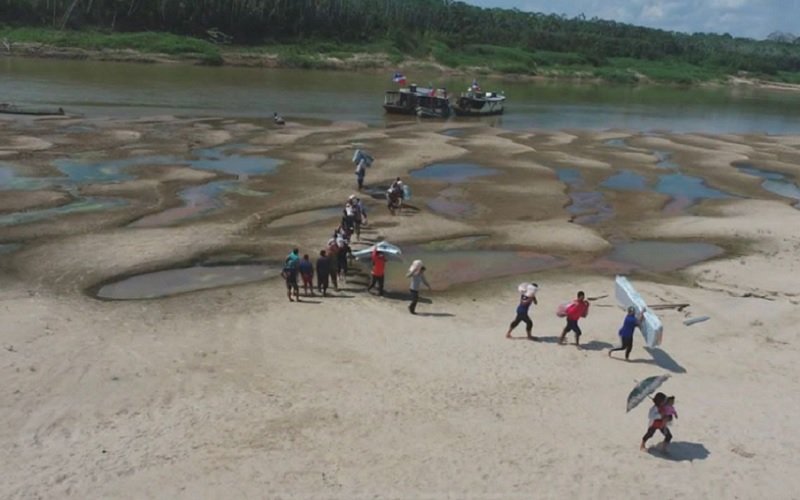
{"x": 418, "y": 27}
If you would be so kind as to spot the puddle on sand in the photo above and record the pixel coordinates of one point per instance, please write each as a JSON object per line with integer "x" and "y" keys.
{"x": 453, "y": 132}
{"x": 83, "y": 171}
{"x": 10, "y": 181}
{"x": 774, "y": 182}
{"x": 189, "y": 279}
{"x": 685, "y": 191}
{"x": 80, "y": 206}
{"x": 462, "y": 243}
{"x": 625, "y": 180}
{"x": 657, "y": 256}
{"x": 6, "y": 248}
{"x": 449, "y": 268}
{"x": 198, "y": 200}
{"x": 223, "y": 159}
{"x": 308, "y": 217}
{"x": 587, "y": 207}
{"x": 453, "y": 173}
{"x": 451, "y": 208}
{"x": 616, "y": 143}
{"x": 664, "y": 160}
{"x": 103, "y": 171}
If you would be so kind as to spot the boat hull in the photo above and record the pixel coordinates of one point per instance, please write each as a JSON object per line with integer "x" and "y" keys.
{"x": 13, "y": 109}
{"x": 424, "y": 112}
{"x": 33, "y": 112}
{"x": 471, "y": 112}
{"x": 399, "y": 110}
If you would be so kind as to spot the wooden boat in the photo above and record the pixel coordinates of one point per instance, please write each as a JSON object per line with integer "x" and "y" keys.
{"x": 479, "y": 103}
{"x": 420, "y": 101}
{"x": 16, "y": 110}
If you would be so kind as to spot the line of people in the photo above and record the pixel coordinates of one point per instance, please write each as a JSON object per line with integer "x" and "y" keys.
{"x": 332, "y": 265}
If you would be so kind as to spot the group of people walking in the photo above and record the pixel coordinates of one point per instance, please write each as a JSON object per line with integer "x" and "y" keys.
{"x": 573, "y": 312}
{"x": 663, "y": 412}
{"x": 332, "y": 264}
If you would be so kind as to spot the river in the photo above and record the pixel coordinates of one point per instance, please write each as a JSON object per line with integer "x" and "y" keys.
{"x": 132, "y": 90}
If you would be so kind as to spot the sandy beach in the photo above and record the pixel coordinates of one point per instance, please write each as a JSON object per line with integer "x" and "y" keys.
{"x": 232, "y": 391}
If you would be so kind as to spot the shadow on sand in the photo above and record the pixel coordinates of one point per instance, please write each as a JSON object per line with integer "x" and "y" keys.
{"x": 663, "y": 360}
{"x": 596, "y": 345}
{"x": 681, "y": 451}
{"x": 435, "y": 315}
{"x": 405, "y": 296}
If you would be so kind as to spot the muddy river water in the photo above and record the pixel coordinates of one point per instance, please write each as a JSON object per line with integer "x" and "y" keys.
{"x": 131, "y": 90}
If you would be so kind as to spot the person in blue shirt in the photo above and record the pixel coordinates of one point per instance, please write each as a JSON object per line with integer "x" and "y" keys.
{"x": 632, "y": 320}
{"x": 525, "y": 302}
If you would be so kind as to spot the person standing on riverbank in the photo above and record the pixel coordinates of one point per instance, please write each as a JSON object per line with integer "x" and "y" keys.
{"x": 378, "y": 270}
{"x": 289, "y": 274}
{"x": 579, "y": 308}
{"x": 417, "y": 274}
{"x": 323, "y": 273}
{"x": 632, "y": 320}
{"x": 333, "y": 256}
{"x": 306, "y": 269}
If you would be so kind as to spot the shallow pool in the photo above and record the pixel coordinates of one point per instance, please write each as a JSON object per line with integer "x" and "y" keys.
{"x": 183, "y": 280}
{"x": 453, "y": 173}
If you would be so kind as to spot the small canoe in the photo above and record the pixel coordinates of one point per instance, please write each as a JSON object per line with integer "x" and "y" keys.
{"x": 12, "y": 109}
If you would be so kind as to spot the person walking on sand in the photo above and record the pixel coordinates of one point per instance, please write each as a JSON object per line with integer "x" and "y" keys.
{"x": 341, "y": 257}
{"x": 361, "y": 172}
{"x": 360, "y": 216}
{"x": 417, "y": 274}
{"x": 289, "y": 274}
{"x": 378, "y": 270}
{"x": 333, "y": 256}
{"x": 525, "y": 301}
{"x": 579, "y": 308}
{"x": 656, "y": 422}
{"x": 632, "y": 320}
{"x": 306, "y": 269}
{"x": 323, "y": 273}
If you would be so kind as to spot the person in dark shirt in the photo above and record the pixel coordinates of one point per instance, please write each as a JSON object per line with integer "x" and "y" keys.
{"x": 632, "y": 320}
{"x": 323, "y": 272}
{"x": 525, "y": 302}
{"x": 307, "y": 275}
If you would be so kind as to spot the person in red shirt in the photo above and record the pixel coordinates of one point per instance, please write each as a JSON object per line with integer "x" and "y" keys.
{"x": 378, "y": 269}
{"x": 575, "y": 311}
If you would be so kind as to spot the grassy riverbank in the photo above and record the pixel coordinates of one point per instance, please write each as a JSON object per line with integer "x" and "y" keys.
{"x": 475, "y": 59}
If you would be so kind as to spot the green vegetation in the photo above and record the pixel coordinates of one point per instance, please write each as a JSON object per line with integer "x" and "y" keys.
{"x": 311, "y": 33}
{"x": 162, "y": 43}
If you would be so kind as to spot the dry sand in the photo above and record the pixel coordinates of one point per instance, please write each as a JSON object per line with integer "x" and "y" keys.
{"x": 236, "y": 393}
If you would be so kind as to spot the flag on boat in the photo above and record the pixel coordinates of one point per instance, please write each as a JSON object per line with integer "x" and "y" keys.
{"x": 475, "y": 85}
{"x": 399, "y": 78}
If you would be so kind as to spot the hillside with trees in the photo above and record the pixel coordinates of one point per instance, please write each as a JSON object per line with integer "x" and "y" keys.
{"x": 449, "y": 32}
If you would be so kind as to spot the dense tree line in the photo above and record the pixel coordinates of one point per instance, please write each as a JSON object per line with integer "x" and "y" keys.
{"x": 406, "y": 23}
